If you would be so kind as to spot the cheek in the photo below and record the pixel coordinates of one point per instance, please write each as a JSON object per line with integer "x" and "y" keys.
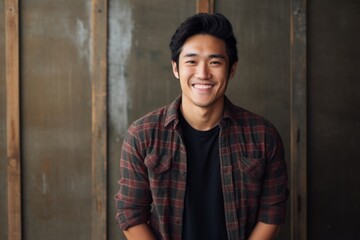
{"x": 183, "y": 83}
{"x": 222, "y": 76}
{"x": 184, "y": 73}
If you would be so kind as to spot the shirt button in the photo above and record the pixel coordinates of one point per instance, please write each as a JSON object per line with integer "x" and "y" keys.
{"x": 182, "y": 172}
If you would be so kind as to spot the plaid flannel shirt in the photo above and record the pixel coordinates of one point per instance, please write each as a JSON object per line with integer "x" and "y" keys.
{"x": 153, "y": 173}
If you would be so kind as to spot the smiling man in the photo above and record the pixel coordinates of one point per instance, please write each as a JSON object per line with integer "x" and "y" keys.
{"x": 201, "y": 167}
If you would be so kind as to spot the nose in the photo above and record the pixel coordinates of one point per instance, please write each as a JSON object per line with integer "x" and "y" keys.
{"x": 202, "y": 71}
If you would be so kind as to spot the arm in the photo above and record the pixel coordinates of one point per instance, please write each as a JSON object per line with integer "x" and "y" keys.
{"x": 133, "y": 201}
{"x": 139, "y": 232}
{"x": 274, "y": 192}
{"x": 264, "y": 231}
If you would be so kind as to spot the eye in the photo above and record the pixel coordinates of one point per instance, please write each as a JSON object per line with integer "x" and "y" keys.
{"x": 191, "y": 62}
{"x": 215, "y": 63}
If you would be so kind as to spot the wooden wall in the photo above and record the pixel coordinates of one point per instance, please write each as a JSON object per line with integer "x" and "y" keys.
{"x": 57, "y": 54}
{"x": 62, "y": 120}
{"x": 88, "y": 68}
{"x": 3, "y": 158}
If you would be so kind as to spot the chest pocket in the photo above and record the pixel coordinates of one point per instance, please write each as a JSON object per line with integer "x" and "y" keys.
{"x": 159, "y": 175}
{"x": 157, "y": 164}
{"x": 253, "y": 167}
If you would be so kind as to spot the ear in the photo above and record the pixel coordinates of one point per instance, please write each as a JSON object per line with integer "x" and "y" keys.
{"x": 175, "y": 69}
{"x": 233, "y": 70}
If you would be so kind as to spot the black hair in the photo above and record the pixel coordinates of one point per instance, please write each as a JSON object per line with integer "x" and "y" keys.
{"x": 216, "y": 25}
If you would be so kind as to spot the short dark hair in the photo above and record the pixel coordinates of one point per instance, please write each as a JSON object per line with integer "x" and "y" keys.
{"x": 216, "y": 25}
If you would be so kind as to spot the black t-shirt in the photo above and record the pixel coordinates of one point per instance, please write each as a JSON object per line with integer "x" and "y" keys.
{"x": 204, "y": 216}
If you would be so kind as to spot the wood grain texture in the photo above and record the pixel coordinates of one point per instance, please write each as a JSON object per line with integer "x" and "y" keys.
{"x": 205, "y": 6}
{"x": 298, "y": 132}
{"x": 99, "y": 118}
{"x": 12, "y": 118}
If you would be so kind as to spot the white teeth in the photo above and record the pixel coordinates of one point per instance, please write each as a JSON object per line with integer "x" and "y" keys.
{"x": 202, "y": 86}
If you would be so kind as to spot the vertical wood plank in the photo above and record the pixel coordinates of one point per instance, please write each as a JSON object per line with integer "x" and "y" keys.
{"x": 13, "y": 118}
{"x": 205, "y": 6}
{"x": 98, "y": 67}
{"x": 298, "y": 134}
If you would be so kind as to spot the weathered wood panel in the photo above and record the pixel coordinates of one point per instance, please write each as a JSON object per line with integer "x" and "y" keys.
{"x": 98, "y": 67}
{"x": 63, "y": 106}
{"x": 298, "y": 91}
{"x": 334, "y": 119}
{"x": 56, "y": 119}
{"x": 205, "y": 6}
{"x": 13, "y": 119}
{"x": 3, "y": 145}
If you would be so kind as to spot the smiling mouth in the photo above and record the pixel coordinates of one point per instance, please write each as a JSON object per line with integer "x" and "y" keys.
{"x": 202, "y": 86}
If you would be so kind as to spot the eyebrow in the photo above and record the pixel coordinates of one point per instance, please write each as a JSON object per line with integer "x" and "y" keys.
{"x": 214, "y": 55}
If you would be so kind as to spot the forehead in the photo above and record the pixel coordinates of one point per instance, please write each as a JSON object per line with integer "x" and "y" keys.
{"x": 203, "y": 44}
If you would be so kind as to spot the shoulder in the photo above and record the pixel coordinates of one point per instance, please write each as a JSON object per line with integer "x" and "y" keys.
{"x": 151, "y": 120}
{"x": 247, "y": 119}
{"x": 253, "y": 126}
{"x": 256, "y": 131}
{"x": 150, "y": 131}
{"x": 144, "y": 131}
{"x": 159, "y": 118}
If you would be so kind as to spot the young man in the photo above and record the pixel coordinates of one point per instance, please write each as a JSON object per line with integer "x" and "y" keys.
{"x": 201, "y": 167}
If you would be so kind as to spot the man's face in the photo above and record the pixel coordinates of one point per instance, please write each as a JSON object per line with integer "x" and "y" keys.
{"x": 203, "y": 71}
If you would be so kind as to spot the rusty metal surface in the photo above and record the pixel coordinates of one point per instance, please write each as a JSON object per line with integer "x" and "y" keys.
{"x": 56, "y": 119}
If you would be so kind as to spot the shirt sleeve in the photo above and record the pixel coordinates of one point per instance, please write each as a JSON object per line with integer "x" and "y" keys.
{"x": 274, "y": 192}
{"x": 133, "y": 201}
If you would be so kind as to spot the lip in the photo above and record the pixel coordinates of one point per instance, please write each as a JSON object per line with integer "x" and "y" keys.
{"x": 203, "y": 86}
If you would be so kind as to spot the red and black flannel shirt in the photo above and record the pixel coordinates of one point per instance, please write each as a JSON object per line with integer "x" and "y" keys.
{"x": 153, "y": 173}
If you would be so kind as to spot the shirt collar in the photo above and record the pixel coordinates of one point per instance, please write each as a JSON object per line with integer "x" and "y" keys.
{"x": 229, "y": 110}
{"x": 172, "y": 114}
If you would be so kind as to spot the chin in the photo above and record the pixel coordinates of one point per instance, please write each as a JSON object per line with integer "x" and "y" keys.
{"x": 203, "y": 104}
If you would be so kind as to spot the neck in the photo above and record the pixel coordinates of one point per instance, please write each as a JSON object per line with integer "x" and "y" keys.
{"x": 202, "y": 118}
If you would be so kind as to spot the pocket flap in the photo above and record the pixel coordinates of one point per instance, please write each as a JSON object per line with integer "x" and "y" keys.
{"x": 157, "y": 164}
{"x": 252, "y": 166}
